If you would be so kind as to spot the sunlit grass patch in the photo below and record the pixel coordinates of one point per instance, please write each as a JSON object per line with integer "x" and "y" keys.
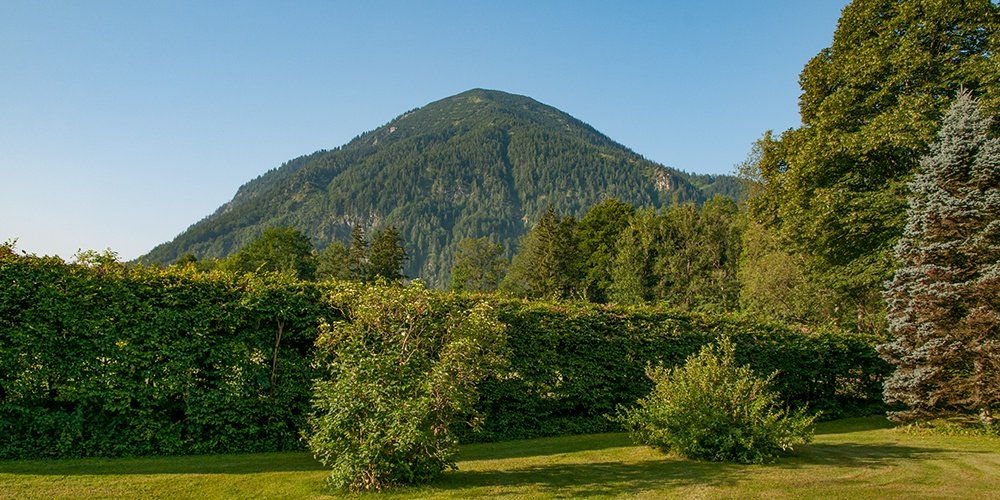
{"x": 855, "y": 458}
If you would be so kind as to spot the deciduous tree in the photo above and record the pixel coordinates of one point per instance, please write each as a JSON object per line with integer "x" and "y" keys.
{"x": 834, "y": 189}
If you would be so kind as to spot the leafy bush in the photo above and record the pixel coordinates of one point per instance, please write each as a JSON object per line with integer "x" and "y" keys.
{"x": 712, "y": 409}
{"x": 401, "y": 372}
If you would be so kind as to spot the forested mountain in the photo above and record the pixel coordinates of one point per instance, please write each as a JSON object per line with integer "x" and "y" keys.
{"x": 481, "y": 163}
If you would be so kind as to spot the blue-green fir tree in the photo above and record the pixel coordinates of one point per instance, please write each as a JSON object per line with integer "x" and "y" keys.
{"x": 944, "y": 300}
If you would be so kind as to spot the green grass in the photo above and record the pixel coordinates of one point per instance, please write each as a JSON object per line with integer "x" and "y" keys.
{"x": 856, "y": 458}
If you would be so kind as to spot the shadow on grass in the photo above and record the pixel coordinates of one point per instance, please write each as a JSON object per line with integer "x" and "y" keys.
{"x": 540, "y": 447}
{"x": 848, "y": 425}
{"x": 596, "y": 478}
{"x": 856, "y": 455}
{"x": 258, "y": 463}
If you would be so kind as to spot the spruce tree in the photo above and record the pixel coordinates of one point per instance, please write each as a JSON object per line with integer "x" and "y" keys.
{"x": 387, "y": 256}
{"x": 546, "y": 263}
{"x": 357, "y": 255}
{"x": 944, "y": 300}
{"x": 479, "y": 265}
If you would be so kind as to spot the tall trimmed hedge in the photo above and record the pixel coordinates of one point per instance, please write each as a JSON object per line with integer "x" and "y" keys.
{"x": 572, "y": 365}
{"x": 107, "y": 360}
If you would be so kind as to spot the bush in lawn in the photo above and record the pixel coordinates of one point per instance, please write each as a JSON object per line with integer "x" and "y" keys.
{"x": 401, "y": 371}
{"x": 711, "y": 409}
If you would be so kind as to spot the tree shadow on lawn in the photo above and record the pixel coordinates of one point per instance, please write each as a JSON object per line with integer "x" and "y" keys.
{"x": 855, "y": 455}
{"x": 856, "y": 424}
{"x": 616, "y": 478}
{"x": 189, "y": 464}
{"x": 597, "y": 478}
{"x": 539, "y": 447}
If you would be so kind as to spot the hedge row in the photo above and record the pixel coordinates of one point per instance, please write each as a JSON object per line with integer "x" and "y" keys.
{"x": 573, "y": 365}
{"x": 108, "y": 360}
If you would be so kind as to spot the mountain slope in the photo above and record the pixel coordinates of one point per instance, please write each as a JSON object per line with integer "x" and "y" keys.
{"x": 481, "y": 163}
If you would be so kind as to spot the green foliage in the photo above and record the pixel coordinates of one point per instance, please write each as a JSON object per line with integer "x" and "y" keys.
{"x": 834, "y": 190}
{"x": 713, "y": 409}
{"x": 479, "y": 164}
{"x": 333, "y": 263}
{"x": 386, "y": 256}
{"x": 944, "y": 302}
{"x": 102, "y": 359}
{"x": 572, "y": 365}
{"x": 597, "y": 239}
{"x": 546, "y": 261}
{"x": 773, "y": 282}
{"x": 686, "y": 257}
{"x": 279, "y": 249}
{"x": 400, "y": 371}
{"x": 479, "y": 265}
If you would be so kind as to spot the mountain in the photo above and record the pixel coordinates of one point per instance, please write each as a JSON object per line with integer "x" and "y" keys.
{"x": 481, "y": 163}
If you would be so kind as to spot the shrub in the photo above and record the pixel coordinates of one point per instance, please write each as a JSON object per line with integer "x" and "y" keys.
{"x": 711, "y": 409}
{"x": 401, "y": 372}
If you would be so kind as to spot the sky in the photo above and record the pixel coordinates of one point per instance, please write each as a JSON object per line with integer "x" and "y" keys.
{"x": 124, "y": 122}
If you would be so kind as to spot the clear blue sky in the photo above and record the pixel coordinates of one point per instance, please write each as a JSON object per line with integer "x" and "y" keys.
{"x": 122, "y": 123}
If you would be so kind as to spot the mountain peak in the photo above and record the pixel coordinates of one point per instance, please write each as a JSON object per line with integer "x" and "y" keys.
{"x": 479, "y": 163}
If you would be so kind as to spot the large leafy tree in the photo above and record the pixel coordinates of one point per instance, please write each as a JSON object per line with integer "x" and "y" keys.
{"x": 279, "y": 249}
{"x": 686, "y": 257}
{"x": 697, "y": 264}
{"x": 387, "y": 256}
{"x": 944, "y": 303}
{"x": 597, "y": 236}
{"x": 834, "y": 189}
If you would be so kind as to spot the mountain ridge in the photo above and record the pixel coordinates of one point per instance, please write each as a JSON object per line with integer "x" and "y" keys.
{"x": 479, "y": 163}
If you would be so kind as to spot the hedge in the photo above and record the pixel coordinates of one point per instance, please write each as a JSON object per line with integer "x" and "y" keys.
{"x": 109, "y": 360}
{"x": 573, "y": 365}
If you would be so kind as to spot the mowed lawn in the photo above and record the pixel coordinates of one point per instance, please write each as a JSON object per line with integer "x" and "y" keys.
{"x": 855, "y": 458}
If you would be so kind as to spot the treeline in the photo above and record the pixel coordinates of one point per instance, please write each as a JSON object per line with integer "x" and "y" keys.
{"x": 101, "y": 358}
{"x": 685, "y": 257}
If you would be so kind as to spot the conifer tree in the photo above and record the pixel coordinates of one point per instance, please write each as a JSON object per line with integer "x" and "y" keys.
{"x": 357, "y": 255}
{"x": 479, "y": 265}
{"x": 545, "y": 264}
{"x": 944, "y": 301}
{"x": 387, "y": 256}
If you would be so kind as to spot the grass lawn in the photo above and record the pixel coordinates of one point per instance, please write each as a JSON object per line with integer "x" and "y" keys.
{"x": 856, "y": 458}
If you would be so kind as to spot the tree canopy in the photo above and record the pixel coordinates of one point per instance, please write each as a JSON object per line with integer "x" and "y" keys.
{"x": 834, "y": 189}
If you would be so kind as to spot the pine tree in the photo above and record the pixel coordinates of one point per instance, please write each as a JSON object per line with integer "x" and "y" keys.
{"x": 479, "y": 265}
{"x": 546, "y": 263}
{"x": 387, "y": 256}
{"x": 333, "y": 263}
{"x": 357, "y": 255}
{"x": 944, "y": 301}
